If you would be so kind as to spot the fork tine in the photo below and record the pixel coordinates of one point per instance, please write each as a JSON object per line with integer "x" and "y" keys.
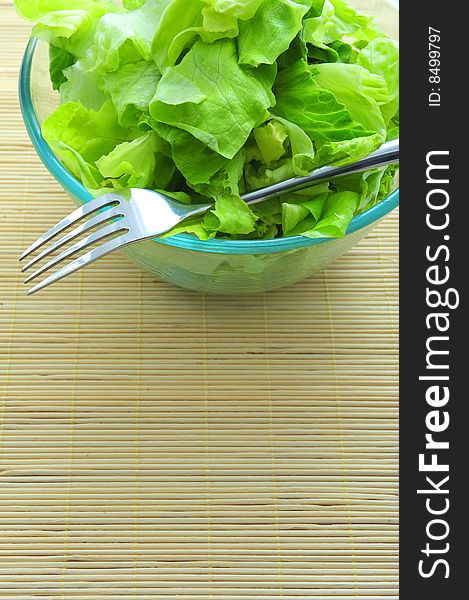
{"x": 91, "y": 239}
{"x": 76, "y": 215}
{"x": 79, "y": 263}
{"x": 99, "y": 219}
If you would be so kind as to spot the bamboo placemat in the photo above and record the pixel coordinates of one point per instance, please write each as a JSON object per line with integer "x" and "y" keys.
{"x": 159, "y": 444}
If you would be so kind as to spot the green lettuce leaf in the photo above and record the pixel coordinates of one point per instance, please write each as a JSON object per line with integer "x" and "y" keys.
{"x": 231, "y": 215}
{"x": 83, "y": 84}
{"x": 178, "y": 29}
{"x": 271, "y": 30}
{"x": 34, "y": 10}
{"x": 92, "y": 134}
{"x": 336, "y": 21}
{"x": 303, "y": 215}
{"x": 69, "y": 24}
{"x": 197, "y": 163}
{"x": 81, "y": 136}
{"x": 60, "y": 60}
{"x": 360, "y": 91}
{"x": 371, "y": 186}
{"x": 302, "y": 100}
{"x": 338, "y": 212}
{"x": 134, "y": 162}
{"x": 283, "y": 150}
{"x": 133, "y": 4}
{"x": 131, "y": 90}
{"x": 210, "y": 96}
{"x": 347, "y": 150}
{"x": 239, "y": 9}
{"x": 381, "y": 57}
{"x": 317, "y": 6}
{"x": 126, "y": 37}
{"x": 271, "y": 141}
{"x": 301, "y": 148}
{"x": 183, "y": 23}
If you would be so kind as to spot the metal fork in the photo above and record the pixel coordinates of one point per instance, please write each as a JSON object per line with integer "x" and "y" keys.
{"x": 134, "y": 215}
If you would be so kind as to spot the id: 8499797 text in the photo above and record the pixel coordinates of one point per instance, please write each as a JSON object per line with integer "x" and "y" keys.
{"x": 434, "y": 66}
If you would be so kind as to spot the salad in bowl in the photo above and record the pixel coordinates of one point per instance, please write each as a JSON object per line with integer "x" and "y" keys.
{"x": 209, "y": 99}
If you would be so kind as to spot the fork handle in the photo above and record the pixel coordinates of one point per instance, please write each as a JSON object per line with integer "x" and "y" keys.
{"x": 387, "y": 154}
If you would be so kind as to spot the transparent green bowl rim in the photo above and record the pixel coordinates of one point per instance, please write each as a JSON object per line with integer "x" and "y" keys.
{"x": 188, "y": 242}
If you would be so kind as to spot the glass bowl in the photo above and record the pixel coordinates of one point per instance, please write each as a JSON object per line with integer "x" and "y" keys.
{"x": 214, "y": 266}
